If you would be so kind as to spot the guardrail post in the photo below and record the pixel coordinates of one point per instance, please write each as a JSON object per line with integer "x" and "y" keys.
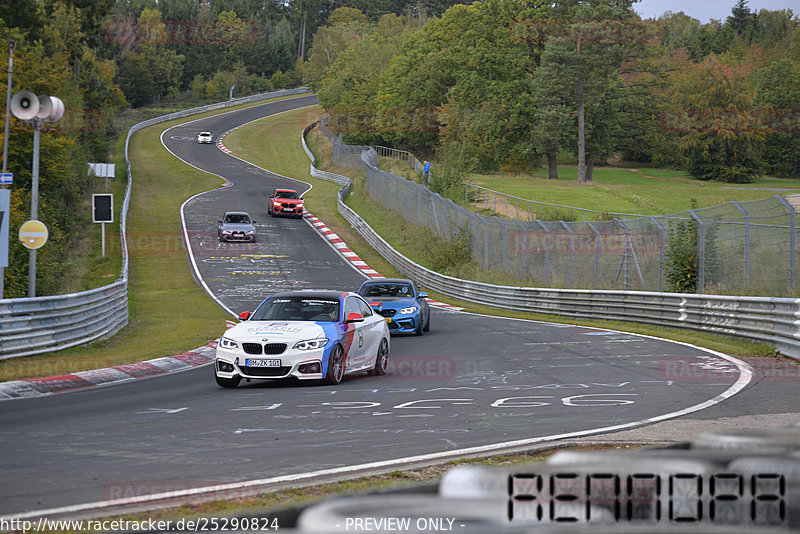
{"x": 746, "y": 216}
{"x": 792, "y": 237}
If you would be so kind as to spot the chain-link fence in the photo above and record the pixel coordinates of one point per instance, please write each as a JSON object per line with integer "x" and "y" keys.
{"x": 733, "y": 248}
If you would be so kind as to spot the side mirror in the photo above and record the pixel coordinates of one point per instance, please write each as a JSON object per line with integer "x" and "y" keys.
{"x": 422, "y": 295}
{"x": 354, "y": 318}
{"x": 219, "y": 222}
{"x": 244, "y": 316}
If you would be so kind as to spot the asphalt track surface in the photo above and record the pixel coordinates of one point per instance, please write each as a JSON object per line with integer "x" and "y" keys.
{"x": 471, "y": 382}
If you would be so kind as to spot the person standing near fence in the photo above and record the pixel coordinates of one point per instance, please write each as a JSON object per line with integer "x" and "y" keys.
{"x": 426, "y": 171}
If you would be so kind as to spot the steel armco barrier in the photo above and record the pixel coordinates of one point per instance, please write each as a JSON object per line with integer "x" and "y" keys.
{"x": 37, "y": 325}
{"x": 775, "y": 321}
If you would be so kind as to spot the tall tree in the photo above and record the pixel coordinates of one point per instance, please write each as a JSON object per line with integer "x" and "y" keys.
{"x": 741, "y": 20}
{"x": 720, "y": 138}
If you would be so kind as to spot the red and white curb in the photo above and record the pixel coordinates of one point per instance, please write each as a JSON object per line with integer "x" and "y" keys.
{"x": 37, "y": 387}
{"x": 342, "y": 248}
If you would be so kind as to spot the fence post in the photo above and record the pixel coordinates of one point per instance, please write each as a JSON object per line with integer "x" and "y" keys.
{"x": 661, "y": 236}
{"x": 436, "y": 217}
{"x": 485, "y": 242}
{"x": 792, "y": 237}
{"x": 596, "y": 254}
{"x": 701, "y": 252}
{"x": 524, "y": 250}
{"x": 746, "y": 216}
{"x": 546, "y": 251}
{"x": 505, "y": 245}
{"x": 571, "y": 247}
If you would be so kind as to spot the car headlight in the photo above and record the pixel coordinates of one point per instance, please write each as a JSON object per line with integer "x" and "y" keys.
{"x": 227, "y": 343}
{"x": 250, "y": 232}
{"x": 408, "y": 311}
{"x": 311, "y": 344}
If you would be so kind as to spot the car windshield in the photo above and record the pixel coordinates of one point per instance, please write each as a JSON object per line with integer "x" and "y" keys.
{"x": 297, "y": 309}
{"x": 386, "y": 290}
{"x": 237, "y": 218}
{"x": 205, "y": 133}
{"x": 286, "y": 194}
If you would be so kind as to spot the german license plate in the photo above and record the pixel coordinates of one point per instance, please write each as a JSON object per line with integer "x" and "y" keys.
{"x": 262, "y": 363}
{"x": 288, "y": 209}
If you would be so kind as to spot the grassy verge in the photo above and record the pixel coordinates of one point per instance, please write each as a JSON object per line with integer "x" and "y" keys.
{"x": 169, "y": 313}
{"x": 629, "y": 190}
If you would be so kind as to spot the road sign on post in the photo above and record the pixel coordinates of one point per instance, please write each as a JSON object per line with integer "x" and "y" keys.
{"x": 6, "y": 178}
{"x": 103, "y": 212}
{"x": 103, "y": 170}
{"x": 103, "y": 208}
{"x": 33, "y": 234}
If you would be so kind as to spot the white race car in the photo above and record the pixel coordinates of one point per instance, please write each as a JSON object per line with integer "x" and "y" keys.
{"x": 205, "y": 137}
{"x": 307, "y": 335}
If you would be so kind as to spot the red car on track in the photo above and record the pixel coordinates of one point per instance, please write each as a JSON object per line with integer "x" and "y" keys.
{"x": 285, "y": 202}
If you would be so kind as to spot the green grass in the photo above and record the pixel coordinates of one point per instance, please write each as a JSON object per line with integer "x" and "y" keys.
{"x": 627, "y": 190}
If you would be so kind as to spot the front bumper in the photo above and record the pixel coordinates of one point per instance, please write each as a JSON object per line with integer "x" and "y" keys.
{"x": 237, "y": 238}
{"x": 402, "y": 324}
{"x": 289, "y": 211}
{"x": 231, "y": 363}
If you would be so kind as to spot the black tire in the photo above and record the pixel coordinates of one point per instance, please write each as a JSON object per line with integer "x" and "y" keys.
{"x": 382, "y": 359}
{"x": 418, "y": 330}
{"x": 427, "y": 326}
{"x": 227, "y": 382}
{"x": 335, "y": 371}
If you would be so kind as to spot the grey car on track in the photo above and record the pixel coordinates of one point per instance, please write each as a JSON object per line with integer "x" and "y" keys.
{"x": 236, "y": 226}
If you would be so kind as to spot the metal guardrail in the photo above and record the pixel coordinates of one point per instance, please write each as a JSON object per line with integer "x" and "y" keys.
{"x": 37, "y": 325}
{"x": 775, "y": 321}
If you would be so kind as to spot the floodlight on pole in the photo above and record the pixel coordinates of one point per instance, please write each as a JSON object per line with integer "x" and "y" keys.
{"x": 36, "y": 110}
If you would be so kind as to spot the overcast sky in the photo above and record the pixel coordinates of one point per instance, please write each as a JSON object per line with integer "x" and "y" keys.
{"x": 704, "y": 10}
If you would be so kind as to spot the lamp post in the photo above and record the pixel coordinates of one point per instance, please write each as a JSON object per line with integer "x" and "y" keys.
{"x": 12, "y": 43}
{"x": 27, "y": 107}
